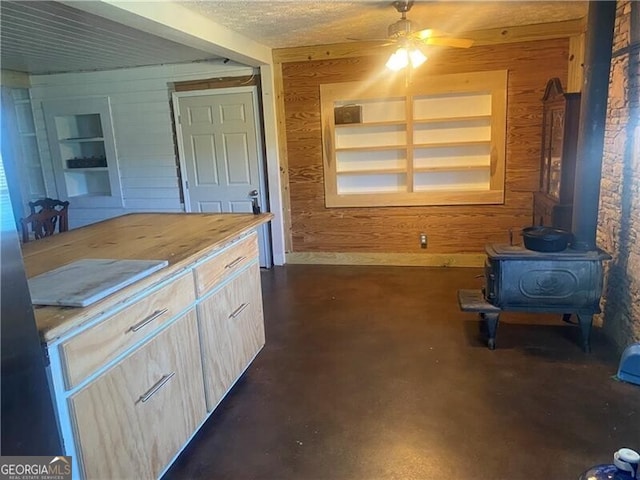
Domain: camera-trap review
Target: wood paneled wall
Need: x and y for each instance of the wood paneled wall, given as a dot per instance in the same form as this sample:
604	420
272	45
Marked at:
450	229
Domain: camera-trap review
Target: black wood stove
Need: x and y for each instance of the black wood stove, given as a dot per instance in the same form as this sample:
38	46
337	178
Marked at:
567	282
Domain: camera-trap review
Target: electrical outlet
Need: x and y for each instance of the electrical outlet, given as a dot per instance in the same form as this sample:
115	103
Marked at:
423	240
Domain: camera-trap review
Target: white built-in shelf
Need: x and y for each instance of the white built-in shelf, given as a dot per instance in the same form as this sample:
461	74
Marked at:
451	119
461	143
87	169
450	168
370	148
81	139
435	135
372	171
81	130
370	124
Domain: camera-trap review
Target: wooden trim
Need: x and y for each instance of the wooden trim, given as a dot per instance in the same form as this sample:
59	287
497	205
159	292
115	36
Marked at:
525	33
282	154
391	259
411	199
12	79
498	129
223	82
329	157
410	146
575	75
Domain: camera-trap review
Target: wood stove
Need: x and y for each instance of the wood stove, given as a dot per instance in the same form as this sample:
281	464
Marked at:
567	282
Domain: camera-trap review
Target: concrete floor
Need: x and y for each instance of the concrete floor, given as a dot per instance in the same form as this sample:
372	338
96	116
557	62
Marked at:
374	373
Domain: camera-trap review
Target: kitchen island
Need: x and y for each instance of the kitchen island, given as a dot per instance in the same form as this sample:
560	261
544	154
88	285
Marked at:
135	374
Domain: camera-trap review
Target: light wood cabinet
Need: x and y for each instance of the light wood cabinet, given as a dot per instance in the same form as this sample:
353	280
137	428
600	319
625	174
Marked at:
127	372
232	332
134	419
86	352
226	264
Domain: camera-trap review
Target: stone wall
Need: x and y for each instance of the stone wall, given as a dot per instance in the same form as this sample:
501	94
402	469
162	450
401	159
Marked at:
619	217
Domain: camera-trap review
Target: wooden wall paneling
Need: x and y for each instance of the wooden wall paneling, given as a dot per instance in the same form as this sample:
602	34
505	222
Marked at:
524	33
361	230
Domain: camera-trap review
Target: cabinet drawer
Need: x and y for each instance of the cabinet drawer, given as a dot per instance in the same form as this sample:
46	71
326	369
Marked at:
231	331
226	263
133	419
84	353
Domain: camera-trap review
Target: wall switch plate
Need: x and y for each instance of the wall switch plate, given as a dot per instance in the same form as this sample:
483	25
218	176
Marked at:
423	240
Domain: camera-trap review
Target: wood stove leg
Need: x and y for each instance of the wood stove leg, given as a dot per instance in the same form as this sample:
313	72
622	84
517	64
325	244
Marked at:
585	329
492	326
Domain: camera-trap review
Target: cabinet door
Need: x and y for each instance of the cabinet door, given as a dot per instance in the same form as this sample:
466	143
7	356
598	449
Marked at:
232	332
131	421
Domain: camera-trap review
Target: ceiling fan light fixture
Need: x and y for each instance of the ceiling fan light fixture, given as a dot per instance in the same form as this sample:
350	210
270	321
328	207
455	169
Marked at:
417	57
398	60
402	57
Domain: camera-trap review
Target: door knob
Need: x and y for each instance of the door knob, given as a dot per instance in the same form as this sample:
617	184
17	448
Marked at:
255	206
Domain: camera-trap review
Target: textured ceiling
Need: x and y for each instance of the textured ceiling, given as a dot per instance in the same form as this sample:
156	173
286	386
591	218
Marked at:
45	36
300	23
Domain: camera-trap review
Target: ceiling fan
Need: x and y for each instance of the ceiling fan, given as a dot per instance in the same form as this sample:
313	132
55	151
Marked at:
409	40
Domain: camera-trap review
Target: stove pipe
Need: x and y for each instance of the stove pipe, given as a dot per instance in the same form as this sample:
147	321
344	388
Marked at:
593	111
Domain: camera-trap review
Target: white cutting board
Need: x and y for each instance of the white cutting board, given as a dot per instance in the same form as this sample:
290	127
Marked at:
86	281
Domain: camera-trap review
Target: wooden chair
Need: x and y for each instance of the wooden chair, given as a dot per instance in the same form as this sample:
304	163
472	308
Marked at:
47	215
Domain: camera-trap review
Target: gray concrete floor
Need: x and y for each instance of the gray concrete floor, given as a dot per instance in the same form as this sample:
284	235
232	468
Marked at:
374	373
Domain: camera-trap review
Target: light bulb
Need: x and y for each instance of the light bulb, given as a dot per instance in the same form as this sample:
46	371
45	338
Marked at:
417	57
398	60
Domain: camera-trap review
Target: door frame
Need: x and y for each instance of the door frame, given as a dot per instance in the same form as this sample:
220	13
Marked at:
262	164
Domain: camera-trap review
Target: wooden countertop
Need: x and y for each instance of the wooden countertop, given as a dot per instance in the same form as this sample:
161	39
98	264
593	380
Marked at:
179	238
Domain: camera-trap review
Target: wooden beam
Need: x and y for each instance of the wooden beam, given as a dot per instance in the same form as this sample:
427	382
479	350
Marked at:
175	22
525	33
576	63
9	78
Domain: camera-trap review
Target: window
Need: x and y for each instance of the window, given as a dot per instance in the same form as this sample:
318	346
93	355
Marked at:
438	141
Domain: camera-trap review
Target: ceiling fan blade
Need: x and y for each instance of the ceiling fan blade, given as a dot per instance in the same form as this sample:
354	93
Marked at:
428	33
448	42
386	40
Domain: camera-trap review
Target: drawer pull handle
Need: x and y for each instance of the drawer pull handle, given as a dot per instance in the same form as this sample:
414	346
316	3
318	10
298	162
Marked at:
238	310
149	319
235	262
158	385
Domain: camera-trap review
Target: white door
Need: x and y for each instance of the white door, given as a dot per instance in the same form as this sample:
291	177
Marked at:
221	154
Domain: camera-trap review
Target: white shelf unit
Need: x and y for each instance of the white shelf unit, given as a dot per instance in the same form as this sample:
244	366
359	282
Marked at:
83	151
439	140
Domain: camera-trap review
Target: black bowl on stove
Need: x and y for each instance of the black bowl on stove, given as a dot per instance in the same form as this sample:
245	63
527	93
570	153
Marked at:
546	239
